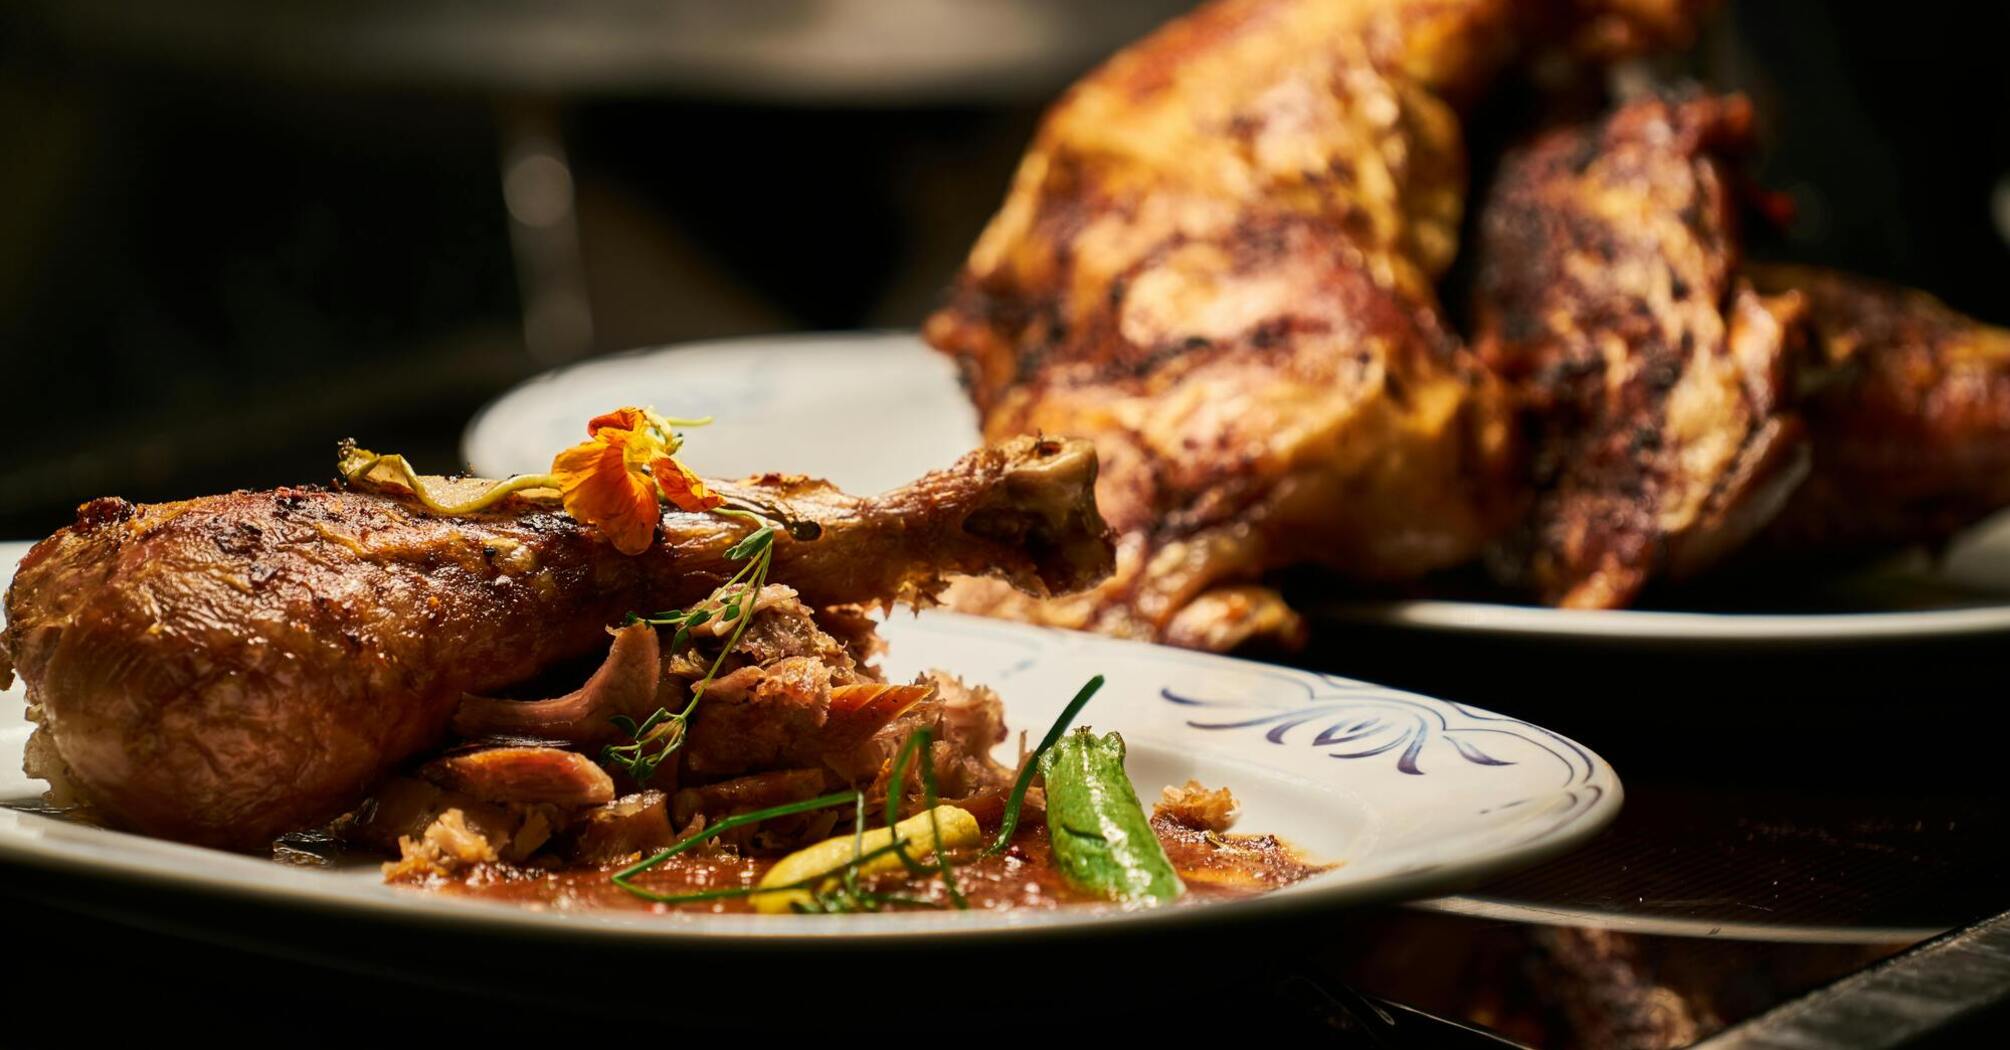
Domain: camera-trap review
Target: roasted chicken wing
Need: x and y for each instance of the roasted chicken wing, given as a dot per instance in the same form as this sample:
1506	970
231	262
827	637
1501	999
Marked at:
1653	381
1908	403
1679	402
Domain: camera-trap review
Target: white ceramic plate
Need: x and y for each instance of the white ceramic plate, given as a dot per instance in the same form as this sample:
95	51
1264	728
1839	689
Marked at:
873	410
1413	796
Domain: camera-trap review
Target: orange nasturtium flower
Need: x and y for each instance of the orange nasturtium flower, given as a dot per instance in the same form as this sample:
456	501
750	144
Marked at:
617	477
615	480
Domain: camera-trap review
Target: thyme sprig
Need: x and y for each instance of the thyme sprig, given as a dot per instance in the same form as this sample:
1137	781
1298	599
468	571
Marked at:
656	738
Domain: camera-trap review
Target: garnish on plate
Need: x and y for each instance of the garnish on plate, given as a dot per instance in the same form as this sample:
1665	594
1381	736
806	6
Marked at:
1102	841
658	736
618	479
824	878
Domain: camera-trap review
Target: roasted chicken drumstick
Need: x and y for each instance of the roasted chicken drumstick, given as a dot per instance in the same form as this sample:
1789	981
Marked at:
227	669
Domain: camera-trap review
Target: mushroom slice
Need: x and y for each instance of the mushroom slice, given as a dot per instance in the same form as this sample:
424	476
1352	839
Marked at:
625	684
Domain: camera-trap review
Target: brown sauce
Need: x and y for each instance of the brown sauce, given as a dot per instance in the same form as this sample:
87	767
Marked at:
1215	868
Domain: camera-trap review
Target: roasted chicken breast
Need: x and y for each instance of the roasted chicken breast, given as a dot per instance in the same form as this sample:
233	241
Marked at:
1218	260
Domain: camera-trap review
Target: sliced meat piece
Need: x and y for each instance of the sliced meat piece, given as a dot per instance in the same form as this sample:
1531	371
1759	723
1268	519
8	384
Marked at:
631	824
771	709
760	718
523	774
713	802
859	711
745	794
965	721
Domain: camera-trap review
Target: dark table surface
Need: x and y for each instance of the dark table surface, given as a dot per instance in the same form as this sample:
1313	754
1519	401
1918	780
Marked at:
1793	814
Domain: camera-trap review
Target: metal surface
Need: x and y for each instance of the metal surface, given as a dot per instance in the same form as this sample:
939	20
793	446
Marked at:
1895	1003
1617	921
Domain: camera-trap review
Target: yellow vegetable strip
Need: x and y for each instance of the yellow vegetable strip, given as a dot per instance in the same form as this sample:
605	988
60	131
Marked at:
959	829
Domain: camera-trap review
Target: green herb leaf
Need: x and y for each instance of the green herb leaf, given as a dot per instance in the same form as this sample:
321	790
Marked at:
916	741
754	543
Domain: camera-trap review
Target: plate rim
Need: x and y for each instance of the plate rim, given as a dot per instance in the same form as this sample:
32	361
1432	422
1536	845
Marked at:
429	909
1656	625
481	419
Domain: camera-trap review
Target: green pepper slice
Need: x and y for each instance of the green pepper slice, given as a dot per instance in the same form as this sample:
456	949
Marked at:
1103	844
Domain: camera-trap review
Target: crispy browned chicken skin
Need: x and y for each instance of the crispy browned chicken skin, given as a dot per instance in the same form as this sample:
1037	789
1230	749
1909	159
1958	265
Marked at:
227	669
1218	261
1908	404
1654	382
1671	409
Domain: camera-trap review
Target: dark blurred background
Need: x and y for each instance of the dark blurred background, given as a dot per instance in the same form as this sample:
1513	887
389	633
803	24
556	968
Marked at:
232	232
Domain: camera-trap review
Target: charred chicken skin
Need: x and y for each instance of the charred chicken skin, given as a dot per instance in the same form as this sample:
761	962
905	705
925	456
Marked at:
1654	382
1908	404
227	669
1218	261
1682	404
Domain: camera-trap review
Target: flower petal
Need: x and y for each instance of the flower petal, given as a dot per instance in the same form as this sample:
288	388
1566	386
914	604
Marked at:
684	490
598	488
628	418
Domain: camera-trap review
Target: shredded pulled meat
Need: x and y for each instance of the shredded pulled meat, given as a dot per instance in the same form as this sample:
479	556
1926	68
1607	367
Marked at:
446	847
41	761
408	808
796	710
1194	805
964	723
